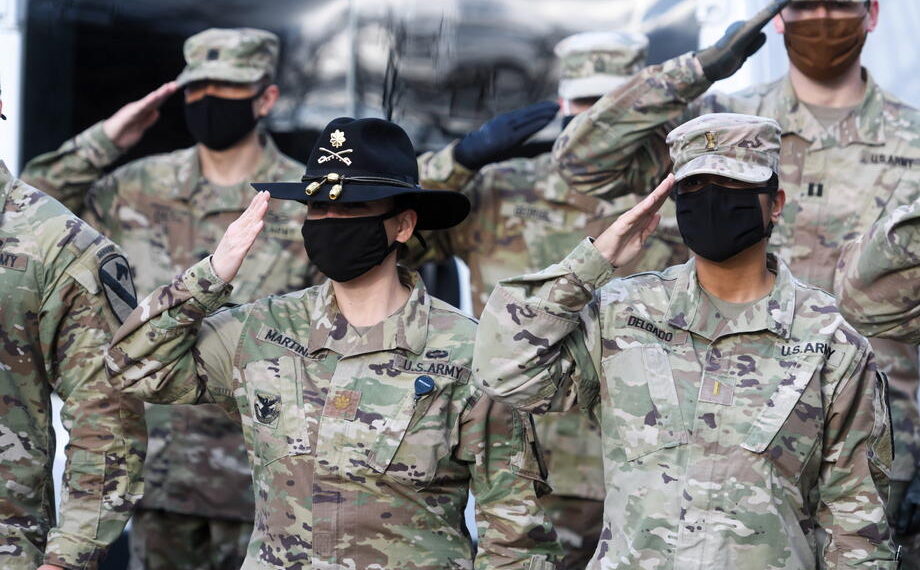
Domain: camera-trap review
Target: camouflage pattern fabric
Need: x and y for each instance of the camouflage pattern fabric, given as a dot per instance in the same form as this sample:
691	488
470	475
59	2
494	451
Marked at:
594	63
578	522
740	147
167	216
58	281
162	540
784	463
524	217
838	181
364	444
240	55
879	283
879	280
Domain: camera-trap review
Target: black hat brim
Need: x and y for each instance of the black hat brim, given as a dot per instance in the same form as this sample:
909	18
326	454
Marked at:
436	209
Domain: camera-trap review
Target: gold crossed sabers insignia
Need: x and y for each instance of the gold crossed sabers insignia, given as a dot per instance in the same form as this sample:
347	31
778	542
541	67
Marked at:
330	154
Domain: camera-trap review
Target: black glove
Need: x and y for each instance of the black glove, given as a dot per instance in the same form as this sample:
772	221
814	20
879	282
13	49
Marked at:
909	511
495	138
741	41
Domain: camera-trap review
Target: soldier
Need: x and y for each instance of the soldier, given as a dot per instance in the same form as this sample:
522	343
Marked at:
524	218
744	424
168	211
848	152
879	284
64	290
365	431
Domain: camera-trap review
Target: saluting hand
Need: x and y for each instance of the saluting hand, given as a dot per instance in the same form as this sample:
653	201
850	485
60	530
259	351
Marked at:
239	237
129	123
623	240
741	41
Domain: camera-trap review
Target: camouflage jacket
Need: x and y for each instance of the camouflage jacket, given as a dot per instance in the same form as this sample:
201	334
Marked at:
55	321
525	218
784	460
364	444
838	181
880	277
167	217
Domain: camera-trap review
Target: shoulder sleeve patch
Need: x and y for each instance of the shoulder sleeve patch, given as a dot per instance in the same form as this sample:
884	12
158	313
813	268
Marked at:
118	285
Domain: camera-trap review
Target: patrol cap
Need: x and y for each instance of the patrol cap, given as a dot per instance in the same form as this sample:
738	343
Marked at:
362	160
238	55
741	147
594	63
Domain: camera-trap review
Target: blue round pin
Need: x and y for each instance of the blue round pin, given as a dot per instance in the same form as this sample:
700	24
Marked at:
423	385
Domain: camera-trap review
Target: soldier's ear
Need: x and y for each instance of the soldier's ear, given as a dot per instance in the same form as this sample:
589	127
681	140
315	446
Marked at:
779	201
778	24
406	220
266	102
873	16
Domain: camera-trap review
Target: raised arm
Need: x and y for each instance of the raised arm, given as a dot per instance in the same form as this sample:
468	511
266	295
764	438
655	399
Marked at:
168	352
618	146
537	346
70	171
878	281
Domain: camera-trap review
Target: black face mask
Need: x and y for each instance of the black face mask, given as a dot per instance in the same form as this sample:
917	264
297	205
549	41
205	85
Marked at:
718	222
345	248
220	123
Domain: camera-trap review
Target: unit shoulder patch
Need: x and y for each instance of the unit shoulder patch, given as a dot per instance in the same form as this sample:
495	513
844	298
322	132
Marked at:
118	285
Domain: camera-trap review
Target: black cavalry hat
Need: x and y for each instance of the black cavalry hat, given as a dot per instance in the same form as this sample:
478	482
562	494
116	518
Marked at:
360	160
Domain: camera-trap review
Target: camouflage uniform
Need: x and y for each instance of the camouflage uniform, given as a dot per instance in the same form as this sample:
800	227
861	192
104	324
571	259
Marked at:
355	466
838	182
524	218
58	279
167	216
759	441
878	278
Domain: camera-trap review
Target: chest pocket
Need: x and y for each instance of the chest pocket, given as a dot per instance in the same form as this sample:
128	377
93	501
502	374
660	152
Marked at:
276	408
412	442
788	428
643	401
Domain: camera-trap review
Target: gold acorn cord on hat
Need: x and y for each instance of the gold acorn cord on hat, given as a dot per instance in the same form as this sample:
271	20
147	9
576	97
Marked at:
338	180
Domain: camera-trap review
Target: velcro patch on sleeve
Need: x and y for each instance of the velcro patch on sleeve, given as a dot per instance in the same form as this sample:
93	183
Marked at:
118	285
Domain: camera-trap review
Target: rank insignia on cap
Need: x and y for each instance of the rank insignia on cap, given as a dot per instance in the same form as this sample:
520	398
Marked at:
213	54
118	285
267	407
342	404
711	143
336	139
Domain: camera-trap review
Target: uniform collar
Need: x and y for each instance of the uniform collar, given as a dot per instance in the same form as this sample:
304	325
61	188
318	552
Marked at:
190	177
865	125
773	313
405	329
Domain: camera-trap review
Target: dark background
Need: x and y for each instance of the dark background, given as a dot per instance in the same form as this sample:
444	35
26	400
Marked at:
439	71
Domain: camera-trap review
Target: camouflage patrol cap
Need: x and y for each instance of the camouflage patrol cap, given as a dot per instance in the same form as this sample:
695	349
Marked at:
238	55
742	147
594	63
